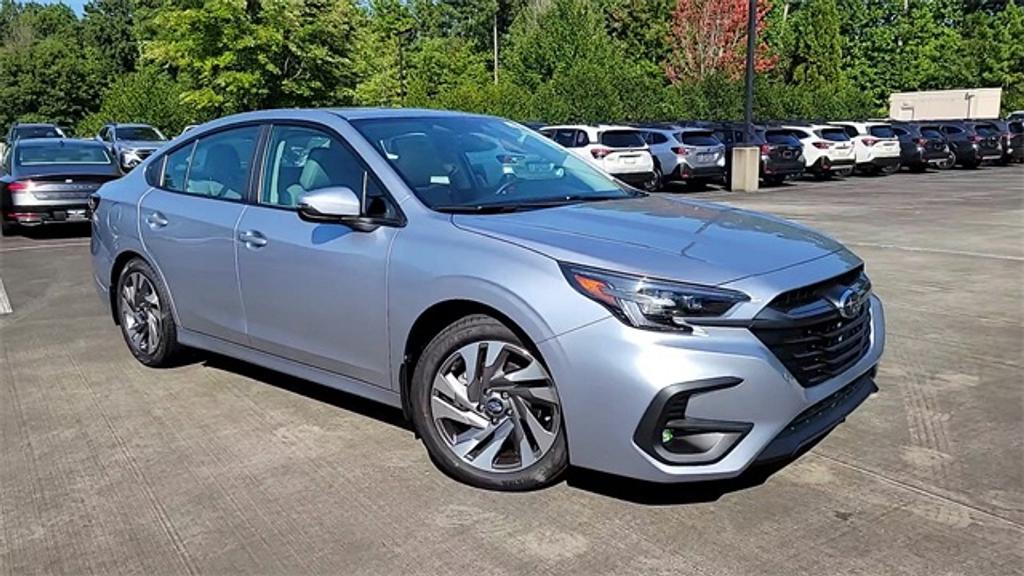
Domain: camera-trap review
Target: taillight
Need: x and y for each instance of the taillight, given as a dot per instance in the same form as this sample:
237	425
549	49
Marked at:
921	142
870	141
682	150
766	148
20	186
599	153
821	145
976	139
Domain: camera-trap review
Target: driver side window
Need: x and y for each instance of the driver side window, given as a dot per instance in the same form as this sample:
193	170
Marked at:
301	159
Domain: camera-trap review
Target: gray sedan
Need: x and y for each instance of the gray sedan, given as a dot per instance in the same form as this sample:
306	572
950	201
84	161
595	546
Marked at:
523	309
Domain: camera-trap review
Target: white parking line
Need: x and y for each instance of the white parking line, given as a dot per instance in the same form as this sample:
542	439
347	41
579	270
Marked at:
5	303
44	246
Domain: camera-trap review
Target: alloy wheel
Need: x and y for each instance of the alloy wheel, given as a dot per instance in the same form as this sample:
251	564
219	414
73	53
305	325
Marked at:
141	313
495	406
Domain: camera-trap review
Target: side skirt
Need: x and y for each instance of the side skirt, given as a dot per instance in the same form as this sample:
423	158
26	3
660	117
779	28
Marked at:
290	367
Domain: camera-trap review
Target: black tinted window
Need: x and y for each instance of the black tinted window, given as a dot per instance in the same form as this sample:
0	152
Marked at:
37	132
900	131
882	132
931	132
622	139
1017	127
781	137
952	130
698	139
834	134
655	138
138	133
61	152
220	164
986	130
851	131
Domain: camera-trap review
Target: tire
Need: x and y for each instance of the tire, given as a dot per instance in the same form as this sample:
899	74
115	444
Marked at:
147	324
656	181
8	228
774	180
444	414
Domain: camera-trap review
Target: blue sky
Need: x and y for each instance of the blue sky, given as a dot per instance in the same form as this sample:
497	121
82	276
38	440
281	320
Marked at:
76	5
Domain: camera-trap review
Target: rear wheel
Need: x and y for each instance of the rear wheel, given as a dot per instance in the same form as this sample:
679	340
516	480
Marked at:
487	408
655	182
8	229
144	313
774	180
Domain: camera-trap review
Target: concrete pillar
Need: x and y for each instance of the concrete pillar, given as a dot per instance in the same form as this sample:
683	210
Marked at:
746	167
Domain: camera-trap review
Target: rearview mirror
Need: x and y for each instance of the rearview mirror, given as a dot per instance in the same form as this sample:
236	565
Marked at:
333	204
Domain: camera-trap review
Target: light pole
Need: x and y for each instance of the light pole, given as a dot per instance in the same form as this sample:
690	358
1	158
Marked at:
748	102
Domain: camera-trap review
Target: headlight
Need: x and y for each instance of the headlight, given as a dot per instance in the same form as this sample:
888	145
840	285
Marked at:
651	304
130	158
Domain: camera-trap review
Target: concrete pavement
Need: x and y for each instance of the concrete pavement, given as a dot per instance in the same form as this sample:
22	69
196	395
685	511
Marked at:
219	467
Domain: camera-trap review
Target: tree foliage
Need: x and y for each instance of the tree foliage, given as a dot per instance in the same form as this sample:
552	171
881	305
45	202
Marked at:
171	62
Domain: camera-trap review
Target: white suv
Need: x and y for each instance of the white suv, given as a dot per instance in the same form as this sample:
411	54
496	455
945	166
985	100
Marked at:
828	149
618	150
875	145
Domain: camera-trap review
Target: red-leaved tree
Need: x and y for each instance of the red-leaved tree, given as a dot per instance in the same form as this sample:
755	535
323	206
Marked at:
710	36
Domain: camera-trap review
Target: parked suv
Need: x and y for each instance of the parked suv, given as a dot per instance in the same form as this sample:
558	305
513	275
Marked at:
131	143
681	154
828	150
523	308
972	141
1016	128
20	130
618	150
49	180
782	154
876	148
921	145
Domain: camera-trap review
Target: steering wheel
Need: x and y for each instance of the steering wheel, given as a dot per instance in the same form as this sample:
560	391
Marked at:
510	181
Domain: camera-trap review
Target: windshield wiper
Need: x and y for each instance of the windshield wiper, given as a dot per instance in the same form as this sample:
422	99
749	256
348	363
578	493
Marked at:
504	207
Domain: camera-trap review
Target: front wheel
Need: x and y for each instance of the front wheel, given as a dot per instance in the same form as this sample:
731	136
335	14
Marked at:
487	409
143	310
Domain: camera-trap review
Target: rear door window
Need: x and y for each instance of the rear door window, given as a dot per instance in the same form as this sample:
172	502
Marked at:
931	132
952	130
176	168
655	138
986	130
220	164
698	139
851	131
622	139
565	137
882	131
1017	127
834	134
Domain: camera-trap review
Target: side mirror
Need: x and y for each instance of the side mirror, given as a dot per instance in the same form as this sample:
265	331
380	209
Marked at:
337	204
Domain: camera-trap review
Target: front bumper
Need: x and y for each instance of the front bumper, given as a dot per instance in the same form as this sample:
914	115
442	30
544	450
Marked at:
609	375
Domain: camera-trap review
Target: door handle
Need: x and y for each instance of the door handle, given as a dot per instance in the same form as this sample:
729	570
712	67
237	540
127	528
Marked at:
252	239
156	220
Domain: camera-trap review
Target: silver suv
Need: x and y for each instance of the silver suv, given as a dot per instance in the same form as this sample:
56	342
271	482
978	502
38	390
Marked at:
685	154
524	309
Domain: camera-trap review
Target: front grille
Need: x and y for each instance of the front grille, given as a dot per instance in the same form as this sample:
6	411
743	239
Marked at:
821	344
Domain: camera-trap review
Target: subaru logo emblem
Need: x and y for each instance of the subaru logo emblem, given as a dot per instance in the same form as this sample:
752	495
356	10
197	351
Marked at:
852	300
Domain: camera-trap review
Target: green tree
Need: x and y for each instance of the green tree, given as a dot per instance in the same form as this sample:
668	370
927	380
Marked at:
235	55
147	95
109	26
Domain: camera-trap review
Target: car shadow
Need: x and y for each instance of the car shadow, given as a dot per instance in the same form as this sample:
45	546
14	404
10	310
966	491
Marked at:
657	494
312	390
55	231
608	485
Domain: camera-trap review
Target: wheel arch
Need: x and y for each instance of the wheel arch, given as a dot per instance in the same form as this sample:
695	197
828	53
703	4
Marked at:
122	260
429	324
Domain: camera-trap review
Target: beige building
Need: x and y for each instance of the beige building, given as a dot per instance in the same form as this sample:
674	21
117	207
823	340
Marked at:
945	104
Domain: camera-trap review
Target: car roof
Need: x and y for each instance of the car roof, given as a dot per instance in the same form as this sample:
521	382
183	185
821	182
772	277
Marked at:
130	125
35	125
33	142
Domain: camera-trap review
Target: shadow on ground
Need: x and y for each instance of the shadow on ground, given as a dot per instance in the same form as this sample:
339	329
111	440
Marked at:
54	231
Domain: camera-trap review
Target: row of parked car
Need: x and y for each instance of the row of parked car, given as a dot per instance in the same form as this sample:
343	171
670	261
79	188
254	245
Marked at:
652	155
47	177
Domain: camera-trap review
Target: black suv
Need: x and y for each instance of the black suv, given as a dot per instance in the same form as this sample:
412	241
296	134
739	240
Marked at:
922	144
782	154
972	141
1016	129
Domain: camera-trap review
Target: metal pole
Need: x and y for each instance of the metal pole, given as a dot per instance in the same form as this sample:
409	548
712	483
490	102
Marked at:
748	112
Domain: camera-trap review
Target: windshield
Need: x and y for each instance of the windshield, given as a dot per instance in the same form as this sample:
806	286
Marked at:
26	132
139	133
65	153
834	134
468	162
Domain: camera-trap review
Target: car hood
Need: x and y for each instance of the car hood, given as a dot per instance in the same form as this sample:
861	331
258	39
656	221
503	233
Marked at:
139	144
659	237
